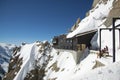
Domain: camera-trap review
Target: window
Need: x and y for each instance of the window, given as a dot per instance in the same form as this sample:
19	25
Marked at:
70	41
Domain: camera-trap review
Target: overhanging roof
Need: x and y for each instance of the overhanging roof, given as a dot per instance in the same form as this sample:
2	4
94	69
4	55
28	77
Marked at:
87	32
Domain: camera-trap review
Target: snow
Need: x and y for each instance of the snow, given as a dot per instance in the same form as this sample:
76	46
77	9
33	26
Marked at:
5	45
62	64
30	54
83	27
68	70
5	66
65	62
84	70
94	42
94	20
110	72
27	53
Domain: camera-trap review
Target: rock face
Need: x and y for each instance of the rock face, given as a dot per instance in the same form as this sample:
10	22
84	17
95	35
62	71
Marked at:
95	2
115	12
75	25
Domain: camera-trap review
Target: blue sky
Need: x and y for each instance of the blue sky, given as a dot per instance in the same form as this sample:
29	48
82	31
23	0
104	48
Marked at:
31	20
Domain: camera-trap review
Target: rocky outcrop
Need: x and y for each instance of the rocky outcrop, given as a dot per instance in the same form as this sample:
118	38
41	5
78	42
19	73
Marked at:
36	74
95	2
75	25
115	12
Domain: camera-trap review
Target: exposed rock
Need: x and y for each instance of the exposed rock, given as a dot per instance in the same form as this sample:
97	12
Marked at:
78	21
36	74
54	67
98	64
115	12
75	25
95	2
14	67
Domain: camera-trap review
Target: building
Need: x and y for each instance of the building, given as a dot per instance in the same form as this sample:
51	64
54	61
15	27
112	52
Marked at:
61	42
84	39
78	42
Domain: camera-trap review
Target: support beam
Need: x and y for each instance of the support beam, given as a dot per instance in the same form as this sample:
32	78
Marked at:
119	38
100	41
114	27
114	39
72	43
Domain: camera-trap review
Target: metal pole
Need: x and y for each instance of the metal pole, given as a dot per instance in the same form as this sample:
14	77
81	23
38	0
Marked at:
114	39
100	43
72	43
119	38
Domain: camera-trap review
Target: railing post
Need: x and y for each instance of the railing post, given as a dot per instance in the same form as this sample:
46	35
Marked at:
100	42
114	19
119	38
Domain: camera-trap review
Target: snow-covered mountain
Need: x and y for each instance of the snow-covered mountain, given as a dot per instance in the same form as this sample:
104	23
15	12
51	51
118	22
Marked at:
29	61
5	55
40	61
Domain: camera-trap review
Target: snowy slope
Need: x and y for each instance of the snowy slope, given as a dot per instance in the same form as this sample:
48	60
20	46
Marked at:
5	55
29	58
53	64
57	64
97	16
111	72
95	19
27	52
63	67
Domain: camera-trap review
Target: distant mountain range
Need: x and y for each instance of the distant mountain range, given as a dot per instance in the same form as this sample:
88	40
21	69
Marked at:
5	55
